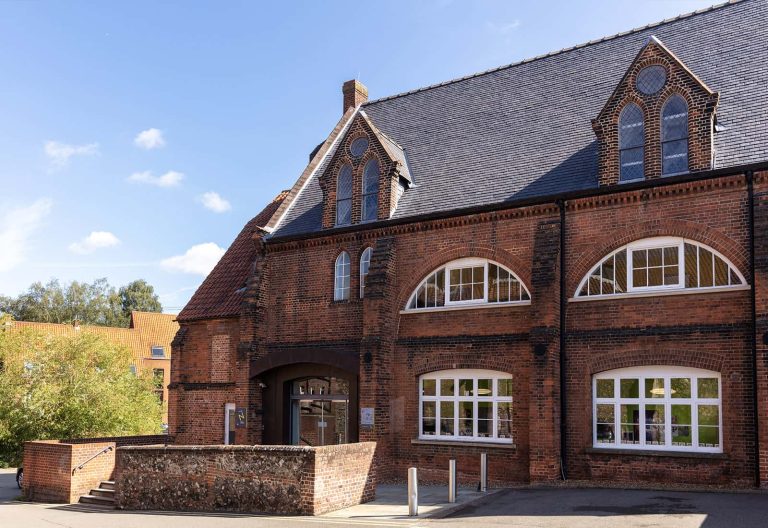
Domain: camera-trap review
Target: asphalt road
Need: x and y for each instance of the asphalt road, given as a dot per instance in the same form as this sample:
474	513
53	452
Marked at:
8	488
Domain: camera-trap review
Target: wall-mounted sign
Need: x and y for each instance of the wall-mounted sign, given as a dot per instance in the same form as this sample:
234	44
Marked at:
241	417
366	416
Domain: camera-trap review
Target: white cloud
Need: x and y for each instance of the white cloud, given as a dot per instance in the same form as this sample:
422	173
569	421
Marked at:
199	259
213	201
60	153
94	241
503	28
149	139
169	179
17	227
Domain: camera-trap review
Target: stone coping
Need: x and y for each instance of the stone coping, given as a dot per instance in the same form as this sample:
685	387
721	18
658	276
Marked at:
252	448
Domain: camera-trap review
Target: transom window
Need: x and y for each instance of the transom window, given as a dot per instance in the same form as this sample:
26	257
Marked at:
344	195
660	263
660	407
341	277
631	142
370	197
466	405
365	264
674	136
468	281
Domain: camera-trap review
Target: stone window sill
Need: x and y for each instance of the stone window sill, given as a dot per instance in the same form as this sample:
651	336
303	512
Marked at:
454	443
654	453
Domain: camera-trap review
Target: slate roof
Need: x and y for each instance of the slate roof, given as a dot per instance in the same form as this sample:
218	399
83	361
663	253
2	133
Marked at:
221	292
523	130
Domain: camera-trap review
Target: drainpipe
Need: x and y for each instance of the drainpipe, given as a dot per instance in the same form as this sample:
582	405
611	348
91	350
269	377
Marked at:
753	303
563	305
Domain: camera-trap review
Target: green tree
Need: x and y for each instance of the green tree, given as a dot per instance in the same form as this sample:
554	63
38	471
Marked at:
96	303
69	387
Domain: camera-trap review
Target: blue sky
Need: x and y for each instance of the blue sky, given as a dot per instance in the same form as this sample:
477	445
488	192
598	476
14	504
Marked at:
120	120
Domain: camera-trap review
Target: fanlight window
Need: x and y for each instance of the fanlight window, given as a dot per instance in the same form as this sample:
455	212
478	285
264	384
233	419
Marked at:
365	264
466	282
341	277
344	196
674	136
370	199
662	263
631	142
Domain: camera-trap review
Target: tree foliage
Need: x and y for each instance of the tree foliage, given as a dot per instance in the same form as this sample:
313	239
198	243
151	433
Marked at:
97	303
69	387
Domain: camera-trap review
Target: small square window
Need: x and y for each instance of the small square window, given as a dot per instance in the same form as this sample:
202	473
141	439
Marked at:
158	352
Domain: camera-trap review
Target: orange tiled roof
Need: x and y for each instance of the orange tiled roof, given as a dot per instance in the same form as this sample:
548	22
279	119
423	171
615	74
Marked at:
221	293
146	330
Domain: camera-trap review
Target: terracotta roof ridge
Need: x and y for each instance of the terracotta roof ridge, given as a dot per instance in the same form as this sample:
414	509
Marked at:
557	52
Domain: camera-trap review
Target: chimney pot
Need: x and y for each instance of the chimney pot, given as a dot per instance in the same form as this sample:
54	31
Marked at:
355	94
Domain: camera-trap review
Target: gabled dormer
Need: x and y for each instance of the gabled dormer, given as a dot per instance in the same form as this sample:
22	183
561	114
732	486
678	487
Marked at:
365	177
658	122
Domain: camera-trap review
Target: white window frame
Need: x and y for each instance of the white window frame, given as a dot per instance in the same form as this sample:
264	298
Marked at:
665	372
466	263
365	264
228	407
653	243
340	291
152	352
456	375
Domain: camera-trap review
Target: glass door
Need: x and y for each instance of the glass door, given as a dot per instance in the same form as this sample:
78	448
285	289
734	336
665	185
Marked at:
319	412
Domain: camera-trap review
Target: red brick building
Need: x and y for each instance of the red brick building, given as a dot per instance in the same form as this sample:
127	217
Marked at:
561	262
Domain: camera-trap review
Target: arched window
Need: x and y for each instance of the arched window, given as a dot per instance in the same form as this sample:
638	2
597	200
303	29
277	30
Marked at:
658	408
365	264
344	195
660	264
467	282
468	405
674	136
370	198
341	277
631	143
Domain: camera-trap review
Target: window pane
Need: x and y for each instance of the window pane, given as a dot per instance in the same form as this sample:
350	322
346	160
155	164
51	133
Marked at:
370	207
594	282
605	424
466	275
671	256
674	123
654	257
343	212
421	297
706	275
428	422
631	164
630	424
621	271
691	266
478	274
630	388
709	415
493	281
504	387
515	291
709	436
631	129
654	387
708	388
605	388
446	387
344	183
671	275
681	387
504	429
466	387
440	288
371	177
709	426
681	425
485	387
721	272
607	272
428	426
466	419
485	419
654	425
735	278
640	278
674	156
447	421
655	277
428	387
504	410
639	259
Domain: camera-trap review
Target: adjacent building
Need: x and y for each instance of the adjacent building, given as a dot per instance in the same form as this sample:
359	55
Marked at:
148	337
561	262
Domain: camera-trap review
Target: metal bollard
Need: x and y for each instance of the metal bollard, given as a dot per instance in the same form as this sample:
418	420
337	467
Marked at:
451	481
413	492
483	472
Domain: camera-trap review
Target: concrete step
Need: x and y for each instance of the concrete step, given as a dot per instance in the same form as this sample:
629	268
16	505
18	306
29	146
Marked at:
102	492
95	499
107	484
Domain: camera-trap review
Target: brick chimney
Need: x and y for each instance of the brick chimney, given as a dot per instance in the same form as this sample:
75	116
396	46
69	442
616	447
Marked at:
355	93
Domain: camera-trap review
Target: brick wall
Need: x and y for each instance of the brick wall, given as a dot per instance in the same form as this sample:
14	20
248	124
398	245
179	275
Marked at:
282	480
51	467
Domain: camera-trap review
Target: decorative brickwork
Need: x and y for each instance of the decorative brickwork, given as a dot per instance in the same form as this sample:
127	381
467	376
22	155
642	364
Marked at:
701	101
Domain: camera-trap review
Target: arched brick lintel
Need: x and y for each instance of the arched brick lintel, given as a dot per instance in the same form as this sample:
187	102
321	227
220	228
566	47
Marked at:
644	358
